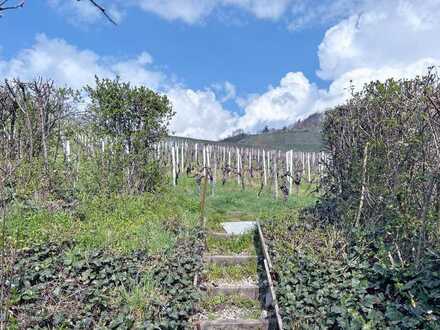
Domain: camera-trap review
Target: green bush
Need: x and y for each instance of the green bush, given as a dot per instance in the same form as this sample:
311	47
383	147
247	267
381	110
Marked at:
384	162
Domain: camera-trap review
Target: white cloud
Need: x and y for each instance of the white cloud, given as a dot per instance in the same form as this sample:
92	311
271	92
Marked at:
396	38
189	11
281	105
225	91
393	39
393	34
56	59
193	11
264	9
199	114
306	13
68	65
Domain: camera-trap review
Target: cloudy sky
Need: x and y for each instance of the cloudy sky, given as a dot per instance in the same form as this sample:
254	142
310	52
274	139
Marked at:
225	64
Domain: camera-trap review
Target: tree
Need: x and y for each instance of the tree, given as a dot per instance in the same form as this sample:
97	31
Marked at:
265	129
135	119
32	115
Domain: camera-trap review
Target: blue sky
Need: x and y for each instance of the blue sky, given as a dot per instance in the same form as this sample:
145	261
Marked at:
225	64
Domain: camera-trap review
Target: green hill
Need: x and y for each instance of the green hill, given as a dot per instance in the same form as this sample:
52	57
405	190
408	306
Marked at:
308	139
304	135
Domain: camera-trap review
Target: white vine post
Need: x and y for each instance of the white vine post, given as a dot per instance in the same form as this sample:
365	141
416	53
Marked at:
238	166
173	156
195	155
214	174
291	172
182	160
204	160
309	174
275	175
158	149
264	168
177	157
66	147
208	158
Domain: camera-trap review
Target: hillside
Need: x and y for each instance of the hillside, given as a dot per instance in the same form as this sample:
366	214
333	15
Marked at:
296	139
304	135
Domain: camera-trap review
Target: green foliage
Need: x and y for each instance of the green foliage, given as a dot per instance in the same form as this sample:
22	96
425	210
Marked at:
175	276
54	286
324	281
134	119
381	202
137	115
384	169
59	285
119	223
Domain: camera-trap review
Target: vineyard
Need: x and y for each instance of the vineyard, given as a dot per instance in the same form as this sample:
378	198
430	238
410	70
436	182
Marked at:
109	222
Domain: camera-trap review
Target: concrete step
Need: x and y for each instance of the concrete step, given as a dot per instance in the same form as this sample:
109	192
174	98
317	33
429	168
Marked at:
250	291
239	227
223	235
233	325
229	260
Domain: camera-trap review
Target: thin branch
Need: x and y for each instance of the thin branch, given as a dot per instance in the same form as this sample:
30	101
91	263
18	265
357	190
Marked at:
103	11
4	8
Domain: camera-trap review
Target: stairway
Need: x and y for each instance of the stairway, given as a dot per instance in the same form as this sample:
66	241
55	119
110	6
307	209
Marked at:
234	282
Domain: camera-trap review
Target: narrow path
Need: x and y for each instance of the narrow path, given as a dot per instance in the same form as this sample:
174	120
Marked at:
234	281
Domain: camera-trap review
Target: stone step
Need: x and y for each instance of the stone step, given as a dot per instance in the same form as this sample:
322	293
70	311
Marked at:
250	291
239	227
233	325
229	260
223	235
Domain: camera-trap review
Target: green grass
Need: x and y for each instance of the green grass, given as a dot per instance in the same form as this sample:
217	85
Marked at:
119	223
227	200
148	222
243	244
213	304
138	299
217	272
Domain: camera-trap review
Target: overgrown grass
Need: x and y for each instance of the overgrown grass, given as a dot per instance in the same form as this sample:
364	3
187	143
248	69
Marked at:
230	202
119	223
121	226
243	244
217	272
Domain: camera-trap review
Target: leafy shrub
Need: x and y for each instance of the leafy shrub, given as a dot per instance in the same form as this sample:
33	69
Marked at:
384	163
324	281
59	286
133	119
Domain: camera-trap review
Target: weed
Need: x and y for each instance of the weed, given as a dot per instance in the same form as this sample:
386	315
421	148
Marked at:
217	272
243	244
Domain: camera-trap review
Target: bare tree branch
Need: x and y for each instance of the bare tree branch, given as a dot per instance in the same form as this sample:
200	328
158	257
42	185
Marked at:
102	10
4	7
